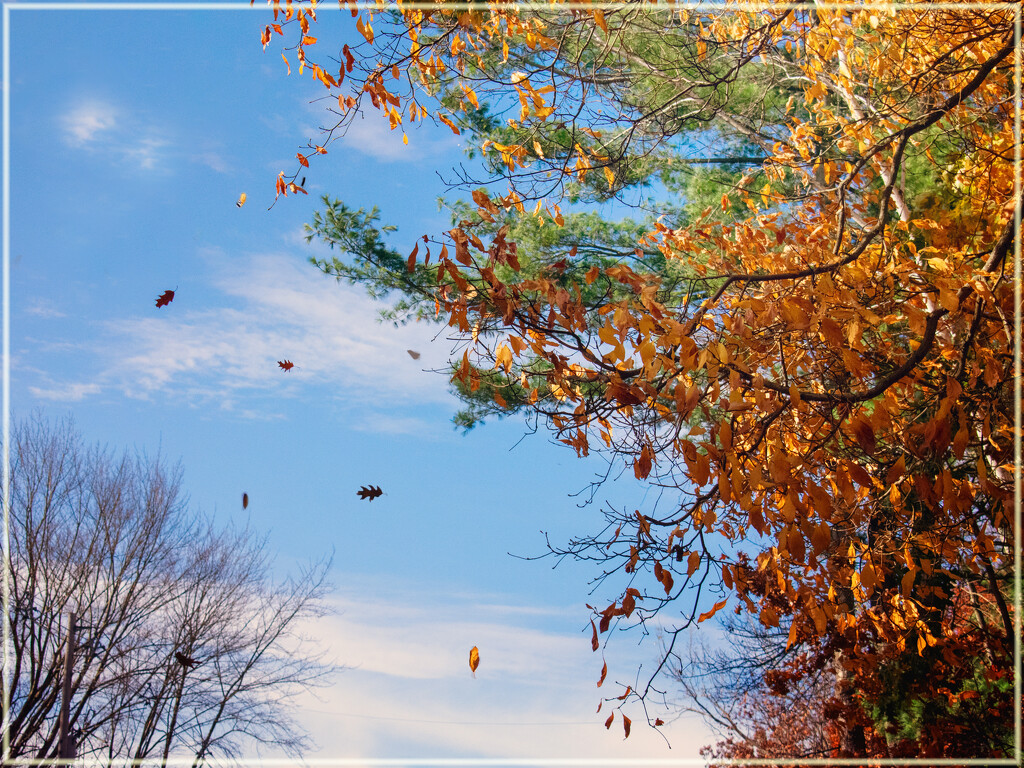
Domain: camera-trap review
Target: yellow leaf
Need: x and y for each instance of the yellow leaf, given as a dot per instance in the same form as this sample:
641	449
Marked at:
609	175
503	358
241	200
599	20
474	659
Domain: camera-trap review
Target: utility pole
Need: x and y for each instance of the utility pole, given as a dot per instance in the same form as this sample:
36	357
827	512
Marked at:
66	743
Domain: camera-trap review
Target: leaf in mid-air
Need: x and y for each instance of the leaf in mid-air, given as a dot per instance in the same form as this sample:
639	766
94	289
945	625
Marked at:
164	299
371	492
474	659
241	200
245	500
413	354
286	365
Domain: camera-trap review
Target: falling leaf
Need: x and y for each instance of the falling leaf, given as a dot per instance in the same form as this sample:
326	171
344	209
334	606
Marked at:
241	200
413	354
371	492
286	365
165	298
715	609
474	659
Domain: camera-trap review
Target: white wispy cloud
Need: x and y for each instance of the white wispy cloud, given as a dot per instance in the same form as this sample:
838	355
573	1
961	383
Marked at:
411	692
88	121
116	131
272	307
66	393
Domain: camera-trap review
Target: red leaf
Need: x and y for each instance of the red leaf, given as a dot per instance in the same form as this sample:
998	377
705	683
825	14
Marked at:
165	298
286	365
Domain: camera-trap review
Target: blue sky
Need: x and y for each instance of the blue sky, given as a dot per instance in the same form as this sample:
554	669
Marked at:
132	135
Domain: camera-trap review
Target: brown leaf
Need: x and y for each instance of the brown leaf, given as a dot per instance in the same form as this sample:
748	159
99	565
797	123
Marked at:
245	500
413	354
286	365
604	673
594	643
371	492
608	722
164	299
626	723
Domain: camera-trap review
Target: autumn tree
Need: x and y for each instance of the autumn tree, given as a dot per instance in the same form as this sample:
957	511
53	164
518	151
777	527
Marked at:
110	539
815	370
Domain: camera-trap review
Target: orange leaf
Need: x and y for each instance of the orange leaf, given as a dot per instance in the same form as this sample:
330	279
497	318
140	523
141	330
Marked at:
411	263
302	160
717	607
604	673
474	659
626	723
594	643
241	200
608	722
285	365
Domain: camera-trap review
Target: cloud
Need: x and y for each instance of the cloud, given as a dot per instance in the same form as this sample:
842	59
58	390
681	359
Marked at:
85	122
97	126
66	393
266	308
41	308
371	135
146	152
213	161
411	692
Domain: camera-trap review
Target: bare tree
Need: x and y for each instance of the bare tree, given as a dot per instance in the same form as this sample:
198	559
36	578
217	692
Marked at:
185	646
